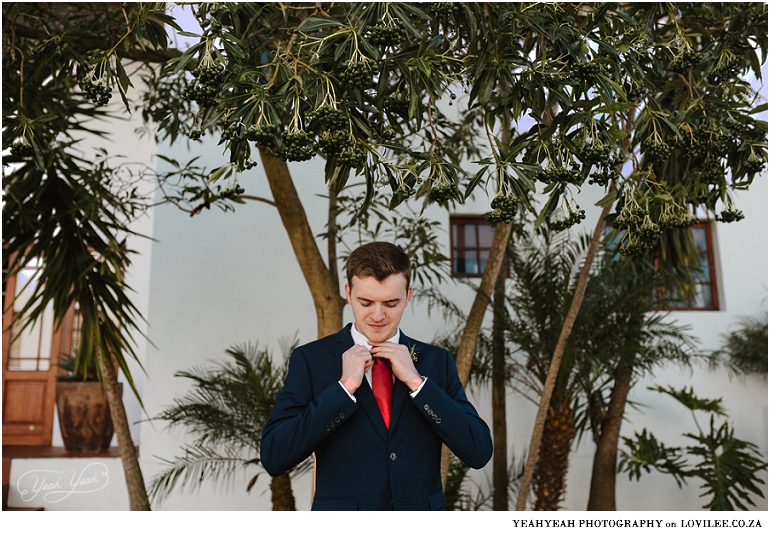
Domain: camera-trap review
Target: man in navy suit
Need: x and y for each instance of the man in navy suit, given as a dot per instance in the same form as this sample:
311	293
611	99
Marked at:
373	404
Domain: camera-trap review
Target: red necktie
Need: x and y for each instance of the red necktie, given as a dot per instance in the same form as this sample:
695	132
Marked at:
382	387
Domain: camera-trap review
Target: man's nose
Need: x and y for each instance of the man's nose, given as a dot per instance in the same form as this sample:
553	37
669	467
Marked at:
378	313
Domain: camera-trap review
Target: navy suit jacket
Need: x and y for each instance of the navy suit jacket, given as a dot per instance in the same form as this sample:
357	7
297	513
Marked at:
361	465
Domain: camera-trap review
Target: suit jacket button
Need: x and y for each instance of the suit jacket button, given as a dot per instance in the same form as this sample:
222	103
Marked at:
337	420
393	456
342	415
438	420
328	428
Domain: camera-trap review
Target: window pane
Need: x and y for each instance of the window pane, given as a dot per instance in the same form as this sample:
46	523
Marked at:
703	298
484	257
702	275
699	234
470	235
471	266
485	236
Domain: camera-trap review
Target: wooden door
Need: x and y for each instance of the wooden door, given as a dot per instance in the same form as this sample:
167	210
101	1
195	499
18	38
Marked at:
29	366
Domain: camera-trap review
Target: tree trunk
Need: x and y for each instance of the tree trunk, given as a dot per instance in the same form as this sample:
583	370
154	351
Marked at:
553	371
553	457
137	492
499	428
324	290
603	473
281	493
467	348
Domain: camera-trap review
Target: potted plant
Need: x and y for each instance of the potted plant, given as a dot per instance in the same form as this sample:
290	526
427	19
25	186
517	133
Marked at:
83	410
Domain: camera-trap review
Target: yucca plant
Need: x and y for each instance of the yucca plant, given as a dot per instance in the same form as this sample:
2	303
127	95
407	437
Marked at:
226	411
728	467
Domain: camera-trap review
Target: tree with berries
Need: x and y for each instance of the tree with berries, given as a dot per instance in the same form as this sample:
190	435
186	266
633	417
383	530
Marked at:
650	103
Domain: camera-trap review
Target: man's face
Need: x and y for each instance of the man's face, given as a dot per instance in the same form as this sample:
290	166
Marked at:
378	306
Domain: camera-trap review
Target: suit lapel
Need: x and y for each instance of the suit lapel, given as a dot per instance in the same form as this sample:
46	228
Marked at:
400	391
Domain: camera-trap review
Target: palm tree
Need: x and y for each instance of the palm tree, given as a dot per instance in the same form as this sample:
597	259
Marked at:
629	340
745	348
226	411
544	271
613	342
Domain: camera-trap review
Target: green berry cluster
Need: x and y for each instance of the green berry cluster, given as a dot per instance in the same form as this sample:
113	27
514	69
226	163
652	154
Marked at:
730	215
203	89
504	208
397	106
263	135
335	142
21	148
726	71
641	231
712	172
738	127
635	92
385	34
630	217
234	132
702	143
572	219
589	70
596	153
677	219
444	194
603	176
329	117
684	60
444	8
98	93
358	74
232	192
558	174
297	146
195	134
753	165
656	151
353	156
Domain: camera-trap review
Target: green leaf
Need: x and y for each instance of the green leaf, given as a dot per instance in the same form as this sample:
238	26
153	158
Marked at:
217	173
608	199
690	401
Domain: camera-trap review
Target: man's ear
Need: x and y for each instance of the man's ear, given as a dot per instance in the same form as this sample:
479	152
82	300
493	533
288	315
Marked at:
408	294
347	292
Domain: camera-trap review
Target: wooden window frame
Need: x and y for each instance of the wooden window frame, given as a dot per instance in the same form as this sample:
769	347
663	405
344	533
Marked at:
710	283
455	247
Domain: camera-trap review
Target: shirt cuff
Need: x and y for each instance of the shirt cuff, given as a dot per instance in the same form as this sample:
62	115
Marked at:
351	396
416	391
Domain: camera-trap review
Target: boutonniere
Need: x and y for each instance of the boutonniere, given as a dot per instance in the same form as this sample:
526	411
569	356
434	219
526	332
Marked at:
413	352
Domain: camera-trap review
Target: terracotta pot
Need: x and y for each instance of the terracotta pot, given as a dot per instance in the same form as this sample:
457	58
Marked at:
84	416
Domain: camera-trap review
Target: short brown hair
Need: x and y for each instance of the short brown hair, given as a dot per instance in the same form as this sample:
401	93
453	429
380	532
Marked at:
379	260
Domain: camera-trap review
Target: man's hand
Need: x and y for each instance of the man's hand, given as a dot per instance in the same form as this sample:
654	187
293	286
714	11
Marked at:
400	361
355	362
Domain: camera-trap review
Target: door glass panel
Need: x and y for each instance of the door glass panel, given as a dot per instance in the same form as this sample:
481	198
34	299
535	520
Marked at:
30	349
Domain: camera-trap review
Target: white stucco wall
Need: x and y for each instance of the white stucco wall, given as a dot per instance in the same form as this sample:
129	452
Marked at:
218	279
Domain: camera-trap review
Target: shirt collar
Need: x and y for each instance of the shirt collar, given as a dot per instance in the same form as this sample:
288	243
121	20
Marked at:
359	338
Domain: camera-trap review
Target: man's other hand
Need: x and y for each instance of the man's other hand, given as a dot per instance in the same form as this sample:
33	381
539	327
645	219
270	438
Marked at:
355	362
400	361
